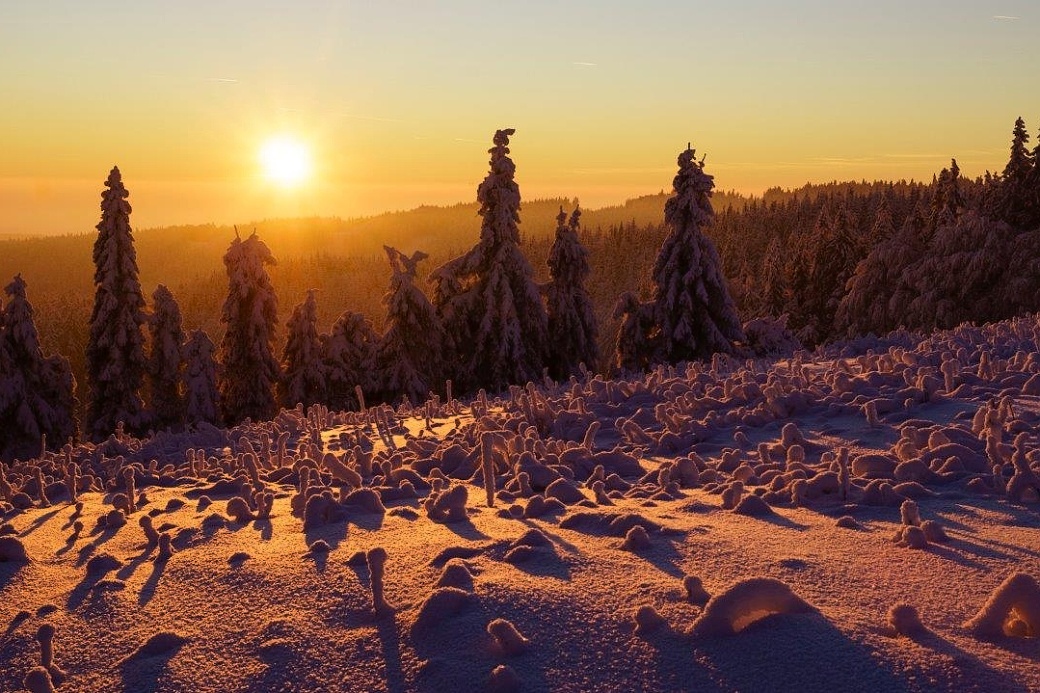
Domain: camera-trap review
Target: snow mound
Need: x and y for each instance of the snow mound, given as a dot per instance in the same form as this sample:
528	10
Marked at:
441	605
747	601
611	524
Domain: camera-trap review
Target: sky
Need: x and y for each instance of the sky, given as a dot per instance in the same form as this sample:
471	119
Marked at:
397	101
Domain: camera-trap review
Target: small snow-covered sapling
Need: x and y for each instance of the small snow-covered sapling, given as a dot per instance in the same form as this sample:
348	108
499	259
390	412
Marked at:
695	592
731	495
71	481
904	620
1024	485
508	639
45	637
165	548
38	680
239	510
264	501
41	489
149	531
504	678
376	559
636	539
647	620
909	513
843	472
487	461
131	490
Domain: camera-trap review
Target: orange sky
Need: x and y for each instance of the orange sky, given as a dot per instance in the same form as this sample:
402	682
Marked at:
398	102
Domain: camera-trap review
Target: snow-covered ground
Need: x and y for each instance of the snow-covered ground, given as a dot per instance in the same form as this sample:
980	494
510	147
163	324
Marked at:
733	527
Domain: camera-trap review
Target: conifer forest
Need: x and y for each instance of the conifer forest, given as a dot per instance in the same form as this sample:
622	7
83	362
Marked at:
698	441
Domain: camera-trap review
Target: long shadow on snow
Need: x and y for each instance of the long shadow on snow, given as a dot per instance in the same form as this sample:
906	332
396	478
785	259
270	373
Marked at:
801	653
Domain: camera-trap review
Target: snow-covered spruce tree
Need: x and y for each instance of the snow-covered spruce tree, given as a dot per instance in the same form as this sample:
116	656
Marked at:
248	368
303	372
37	393
633	346
573	333
835	252
201	397
116	361
963	274
409	355
165	365
1012	197
695	315
773	295
487	300
349	353
883	227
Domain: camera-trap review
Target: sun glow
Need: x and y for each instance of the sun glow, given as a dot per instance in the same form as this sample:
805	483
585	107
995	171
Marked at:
285	161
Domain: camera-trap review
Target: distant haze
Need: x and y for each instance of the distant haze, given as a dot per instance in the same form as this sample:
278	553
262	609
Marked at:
398	100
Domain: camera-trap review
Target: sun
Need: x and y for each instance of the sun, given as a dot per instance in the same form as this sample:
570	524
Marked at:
285	161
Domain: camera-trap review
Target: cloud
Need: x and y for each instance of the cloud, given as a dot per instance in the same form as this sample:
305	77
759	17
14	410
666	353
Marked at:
584	64
1005	17
222	80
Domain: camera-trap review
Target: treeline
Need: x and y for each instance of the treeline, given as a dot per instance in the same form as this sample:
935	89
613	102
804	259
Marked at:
828	261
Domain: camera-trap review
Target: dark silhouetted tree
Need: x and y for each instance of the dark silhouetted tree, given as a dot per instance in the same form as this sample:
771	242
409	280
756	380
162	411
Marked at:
249	370
573	333
37	393
165	365
201	396
487	300
116	361
410	350
695	315
633	347
303	373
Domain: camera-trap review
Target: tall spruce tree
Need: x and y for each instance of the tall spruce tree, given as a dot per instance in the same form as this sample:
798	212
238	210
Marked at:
116	362
410	351
201	396
303	373
37	393
165	363
1012	197
248	368
573	332
773	289
349	353
695	313
487	299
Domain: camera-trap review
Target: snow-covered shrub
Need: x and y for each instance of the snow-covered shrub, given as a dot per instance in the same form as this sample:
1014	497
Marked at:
769	336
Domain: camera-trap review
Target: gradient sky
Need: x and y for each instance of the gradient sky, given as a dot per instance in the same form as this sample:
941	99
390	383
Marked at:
399	99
